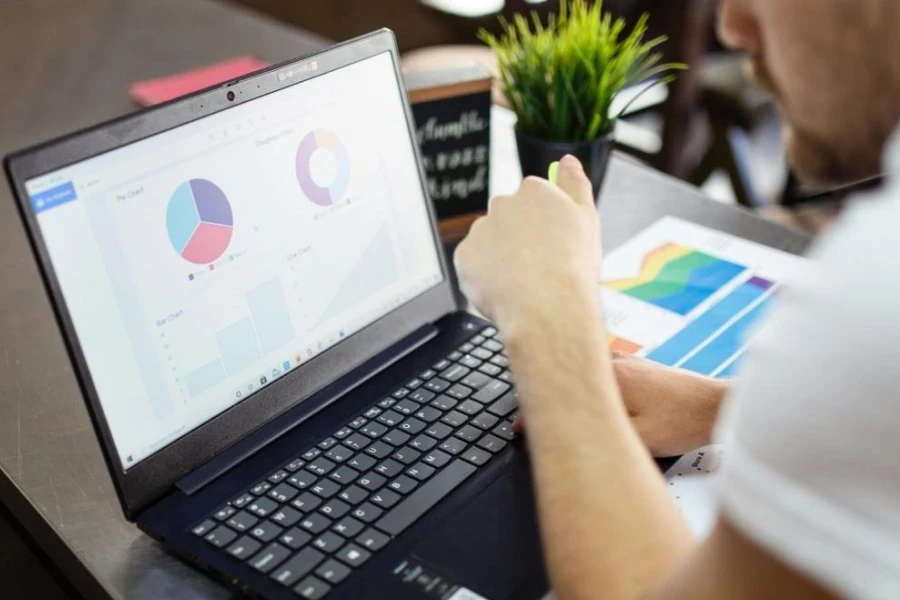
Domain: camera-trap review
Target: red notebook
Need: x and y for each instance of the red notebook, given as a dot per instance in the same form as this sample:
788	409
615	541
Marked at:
154	91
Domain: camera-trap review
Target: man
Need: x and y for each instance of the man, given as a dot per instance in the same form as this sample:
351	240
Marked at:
810	491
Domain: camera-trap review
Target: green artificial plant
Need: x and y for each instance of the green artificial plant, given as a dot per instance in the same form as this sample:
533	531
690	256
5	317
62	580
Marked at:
561	78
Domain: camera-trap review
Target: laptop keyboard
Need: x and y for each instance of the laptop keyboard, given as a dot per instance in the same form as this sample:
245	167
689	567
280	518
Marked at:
310	523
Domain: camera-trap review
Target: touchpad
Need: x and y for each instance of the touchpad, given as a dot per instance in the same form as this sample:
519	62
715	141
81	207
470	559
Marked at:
492	546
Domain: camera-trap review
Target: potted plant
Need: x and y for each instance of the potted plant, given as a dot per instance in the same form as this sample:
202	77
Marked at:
561	79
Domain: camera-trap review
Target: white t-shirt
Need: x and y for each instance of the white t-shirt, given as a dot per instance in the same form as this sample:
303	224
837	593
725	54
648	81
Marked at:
813	430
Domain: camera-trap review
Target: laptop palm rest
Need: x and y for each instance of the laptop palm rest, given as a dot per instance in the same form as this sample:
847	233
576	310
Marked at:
492	545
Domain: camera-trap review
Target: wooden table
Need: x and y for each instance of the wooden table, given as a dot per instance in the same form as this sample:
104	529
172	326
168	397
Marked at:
70	64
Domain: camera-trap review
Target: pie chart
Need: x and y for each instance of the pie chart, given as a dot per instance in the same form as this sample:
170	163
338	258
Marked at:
199	221
323	167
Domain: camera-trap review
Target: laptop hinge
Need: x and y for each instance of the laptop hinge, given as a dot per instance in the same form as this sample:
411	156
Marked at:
262	437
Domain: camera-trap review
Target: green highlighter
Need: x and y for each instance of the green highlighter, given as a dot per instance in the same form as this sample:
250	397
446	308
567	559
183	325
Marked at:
551	172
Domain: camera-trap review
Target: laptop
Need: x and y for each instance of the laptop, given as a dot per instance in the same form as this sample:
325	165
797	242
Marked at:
255	300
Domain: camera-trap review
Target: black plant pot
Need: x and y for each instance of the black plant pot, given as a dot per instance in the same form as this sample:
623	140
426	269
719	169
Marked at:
536	155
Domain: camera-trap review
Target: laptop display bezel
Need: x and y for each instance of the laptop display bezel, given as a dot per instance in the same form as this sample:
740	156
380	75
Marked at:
154	476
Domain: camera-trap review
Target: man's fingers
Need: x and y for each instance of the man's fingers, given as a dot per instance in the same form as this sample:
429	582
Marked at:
572	179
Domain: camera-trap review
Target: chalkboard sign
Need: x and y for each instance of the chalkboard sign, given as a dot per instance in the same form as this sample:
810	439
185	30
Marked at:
452	110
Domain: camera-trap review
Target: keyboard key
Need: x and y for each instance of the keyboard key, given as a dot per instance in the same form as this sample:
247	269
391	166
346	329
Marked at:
477	340
489	332
459	392
278	476
242	500
295	538
467	347
332	571
384	499
220	536
353	495
328	542
315	523
500	361
366	512
348	527
504	430
470	361
481	354
344	475
491	443
311	454
386	403
470	407
266	531
441	365
475	380
372	412
396	437
390	418
414	383
361	462
403	485
353	555
444	402
335	509
242	521
339	454
327	443
492	345
408	407
379	450
244	548
372	540
357	422
389	468
439	431
260	488
299	566
437	385
436	458
406	455
454	418
294	465
325	488
469	433
320	466
302	479
343	432
357	441
455	355
491	392
307	502
417	504
506	376
269	557
412	426
401	393
373	430
505	405
423	443
420	471
453	446
490	369
455	373
476	456
428	414
311	589
371	481
286	516
263	507
282	492
426	375
204	527
224	512
484	421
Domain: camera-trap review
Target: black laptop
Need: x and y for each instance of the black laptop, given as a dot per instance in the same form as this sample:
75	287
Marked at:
255	300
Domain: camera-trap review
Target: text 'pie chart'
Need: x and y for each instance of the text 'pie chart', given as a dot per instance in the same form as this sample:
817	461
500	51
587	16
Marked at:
323	167
199	221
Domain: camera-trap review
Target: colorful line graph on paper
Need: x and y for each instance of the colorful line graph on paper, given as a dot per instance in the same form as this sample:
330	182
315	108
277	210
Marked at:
620	344
677	278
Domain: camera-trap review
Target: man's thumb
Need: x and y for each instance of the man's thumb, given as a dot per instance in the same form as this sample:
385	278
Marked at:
571	179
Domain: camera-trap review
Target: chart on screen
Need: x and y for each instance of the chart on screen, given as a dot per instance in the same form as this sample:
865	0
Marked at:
199	221
690	297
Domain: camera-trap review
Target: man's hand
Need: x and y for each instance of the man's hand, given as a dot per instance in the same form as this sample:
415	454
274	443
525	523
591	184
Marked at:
533	248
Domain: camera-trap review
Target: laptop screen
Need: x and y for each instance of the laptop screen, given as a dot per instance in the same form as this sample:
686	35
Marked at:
205	262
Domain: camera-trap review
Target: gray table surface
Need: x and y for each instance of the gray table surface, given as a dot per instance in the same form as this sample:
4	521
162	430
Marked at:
52	475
